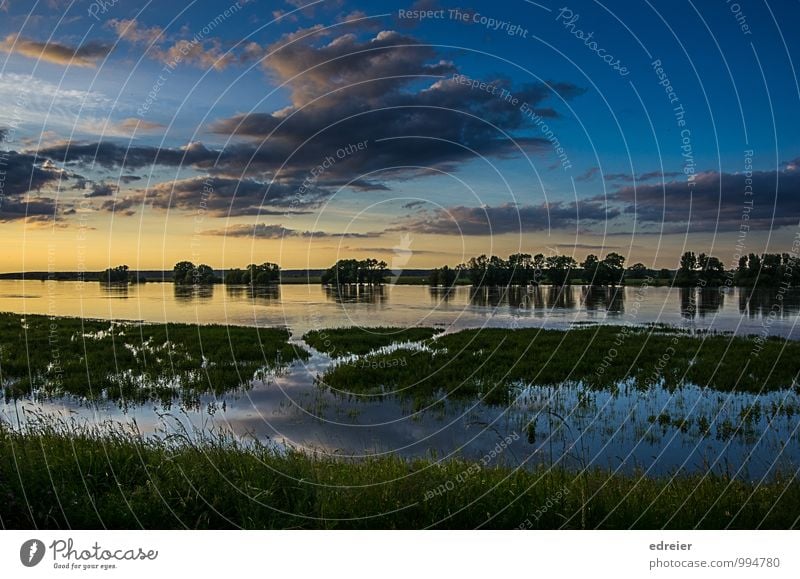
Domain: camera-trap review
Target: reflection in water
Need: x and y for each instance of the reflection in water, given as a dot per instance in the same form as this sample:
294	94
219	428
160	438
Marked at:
441	294
745	311
765	302
115	289
701	301
193	292
256	294
710	300
524	298
561	297
608	299
356	293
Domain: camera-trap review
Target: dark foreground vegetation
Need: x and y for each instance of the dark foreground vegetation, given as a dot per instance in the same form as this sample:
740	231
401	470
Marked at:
58	476
132	361
493	363
337	342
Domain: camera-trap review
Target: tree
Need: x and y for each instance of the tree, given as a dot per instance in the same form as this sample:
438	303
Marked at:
347	271
614	266
185	273
638	271
203	275
687	272
559	268
234	276
117	274
712	270
182	272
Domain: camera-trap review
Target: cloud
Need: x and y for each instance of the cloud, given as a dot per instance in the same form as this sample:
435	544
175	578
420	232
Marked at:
716	201
510	218
54	52
132	31
22	176
218	197
395	94
102	189
628	178
131	125
365	112
589	174
267	231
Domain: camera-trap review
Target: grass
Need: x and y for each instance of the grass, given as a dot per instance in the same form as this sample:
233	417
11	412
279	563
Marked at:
491	362
338	342
60	476
130	361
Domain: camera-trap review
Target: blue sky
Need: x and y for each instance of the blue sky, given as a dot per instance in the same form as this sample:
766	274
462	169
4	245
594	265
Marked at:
155	131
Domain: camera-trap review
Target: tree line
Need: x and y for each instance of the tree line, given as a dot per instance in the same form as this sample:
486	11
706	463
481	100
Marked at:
519	269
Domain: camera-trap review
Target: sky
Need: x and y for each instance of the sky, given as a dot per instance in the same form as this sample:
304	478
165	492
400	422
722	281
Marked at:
421	133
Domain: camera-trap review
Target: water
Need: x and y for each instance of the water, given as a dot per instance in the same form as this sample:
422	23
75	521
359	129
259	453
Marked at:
657	432
305	307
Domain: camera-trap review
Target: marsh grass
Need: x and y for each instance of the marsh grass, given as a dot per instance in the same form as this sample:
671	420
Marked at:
58	475
491	363
338	342
133	361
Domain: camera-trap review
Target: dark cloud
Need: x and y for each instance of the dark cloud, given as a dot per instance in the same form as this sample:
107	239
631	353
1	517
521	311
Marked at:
716	201
86	55
510	218
589	174
111	155
267	231
363	113
102	189
219	197
628	178
21	176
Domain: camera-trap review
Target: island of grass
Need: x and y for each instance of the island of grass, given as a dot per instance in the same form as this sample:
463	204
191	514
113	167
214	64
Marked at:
134	361
59	476
492	363
338	342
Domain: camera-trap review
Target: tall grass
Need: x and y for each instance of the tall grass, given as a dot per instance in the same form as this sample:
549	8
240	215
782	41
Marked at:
490	362
58	475
338	342
133	361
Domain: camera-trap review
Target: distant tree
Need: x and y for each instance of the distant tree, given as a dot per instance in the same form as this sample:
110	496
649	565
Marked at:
182	272
444	276
204	275
687	272
711	271
349	271
117	274
614	265
234	276
559	268
638	271
256	275
186	273
606	272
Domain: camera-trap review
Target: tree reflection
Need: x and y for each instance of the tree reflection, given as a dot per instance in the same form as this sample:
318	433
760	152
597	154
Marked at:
194	292
603	298
259	293
356	294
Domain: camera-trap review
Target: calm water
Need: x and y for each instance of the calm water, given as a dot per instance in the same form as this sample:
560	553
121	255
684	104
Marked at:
655	431
305	307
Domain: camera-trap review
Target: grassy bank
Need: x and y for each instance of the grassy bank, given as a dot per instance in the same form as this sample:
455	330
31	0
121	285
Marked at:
133	361
491	362
337	342
57	477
